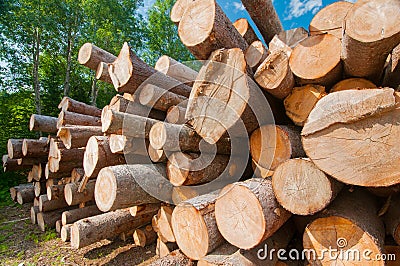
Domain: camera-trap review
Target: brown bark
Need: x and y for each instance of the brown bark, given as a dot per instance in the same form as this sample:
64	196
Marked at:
48	219
14	148
39	188
10	165
25	194
160	99
144	236
38	172
77	174
71	216
55	175
392	219
77	136
35	147
125	145
73	197
353	84
244	28
43	123
255	54
14	190
75	119
102	73
71	105
55	192
176	115
90	56
46	205
176	70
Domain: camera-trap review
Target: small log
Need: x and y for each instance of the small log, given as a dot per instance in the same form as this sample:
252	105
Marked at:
46	205
158	98
35	147
98	155
66	232
260	214
39	188
77	174
43	123
14	148
391	76
274	75
76	119
164	226
48	219
244	28
301	101
56	175
353	83
58	227
38	173
64	160
295	183
392	219
200	236
164	249
318	50
34	212
90	56
255	54
30	161
176	115
15	189
11	165
102	73
125	145
129	72
144	236
136	210
205	28
366	46
156	156
73	197
71	105
25	194
77	136
55	192
287	40
174	258
330	19
175	69
71	216
117	187
107	225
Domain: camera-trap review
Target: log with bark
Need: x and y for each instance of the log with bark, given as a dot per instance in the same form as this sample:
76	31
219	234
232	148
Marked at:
66	172
255	54
180	194
176	115
122	144
71	216
25	194
43	123
71	105
260	214
144	236
48	219
90	56
66	232
244	28
55	192
70	118
38	172
353	84
102	73
73	197
14	148
391	76
156	156
10	165
77	136
39	188
176	70
46	205
14	190
35	147
160	99
164	249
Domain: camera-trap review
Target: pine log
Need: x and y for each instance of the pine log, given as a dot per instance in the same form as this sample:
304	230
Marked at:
346	130
164	226
102	73
263	13
244	28
76	119
58	227
36	202
77	136
25	194
274	75
48	219
349	223
77	174
129	72
55	192
30	161
366	46
56	175
11	165
73	197
38	172
64	160
98	155
39	188
287	40
122	144
66	232
156	156
247	212
391	77
175	69
14	148
46	205
144	236
330	19
71	216
301	101
171	137
90	56
177	10
255	54
180	194
194	226
174	258
302	189
192	169
43	123
119	186
136	210
353	84
30	176
272	145
34	212
71	105
15	189
318	50
176	115
35	147
92	229
392	219
159	99
163	249
204	28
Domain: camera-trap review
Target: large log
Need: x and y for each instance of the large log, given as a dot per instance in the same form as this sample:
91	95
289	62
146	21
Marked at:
77	136
366	46
302	189
204	28
318	50
330	19
159	99
119	187
346	130
353	84
164	226
43	123
122	144
98	155
349	223
47	220
247	212
175	69
102	73
71	105
73	197
35	147
272	145
144	236
71	118
392	73
392	219
90	56
10	165
176	115
244	28
46	205
255	54
107	225
194	226
25	194
14	148
263	13
129	72
71	216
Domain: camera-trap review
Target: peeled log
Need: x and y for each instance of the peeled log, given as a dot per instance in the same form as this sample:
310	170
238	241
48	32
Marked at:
347	129
176	115
46	205
330	19
200	236
77	136
247	212
71	216
129	72
301	101
349	223
272	145
144	236
98	155
366	46
35	147
73	197
76	119
66	232
392	219
107	225
14	148
117	186
90	56
204	28
255	54
316	60
71	105
159	99
102	73
302	189
244	28
274	75
353	84
175	69
263	13
43	123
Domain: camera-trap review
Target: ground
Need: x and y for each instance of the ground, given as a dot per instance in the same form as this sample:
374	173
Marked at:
23	243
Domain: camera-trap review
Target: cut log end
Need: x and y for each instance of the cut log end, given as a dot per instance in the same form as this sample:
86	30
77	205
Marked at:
106	190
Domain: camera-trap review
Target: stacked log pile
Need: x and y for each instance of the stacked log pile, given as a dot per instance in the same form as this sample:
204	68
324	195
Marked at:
318	166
